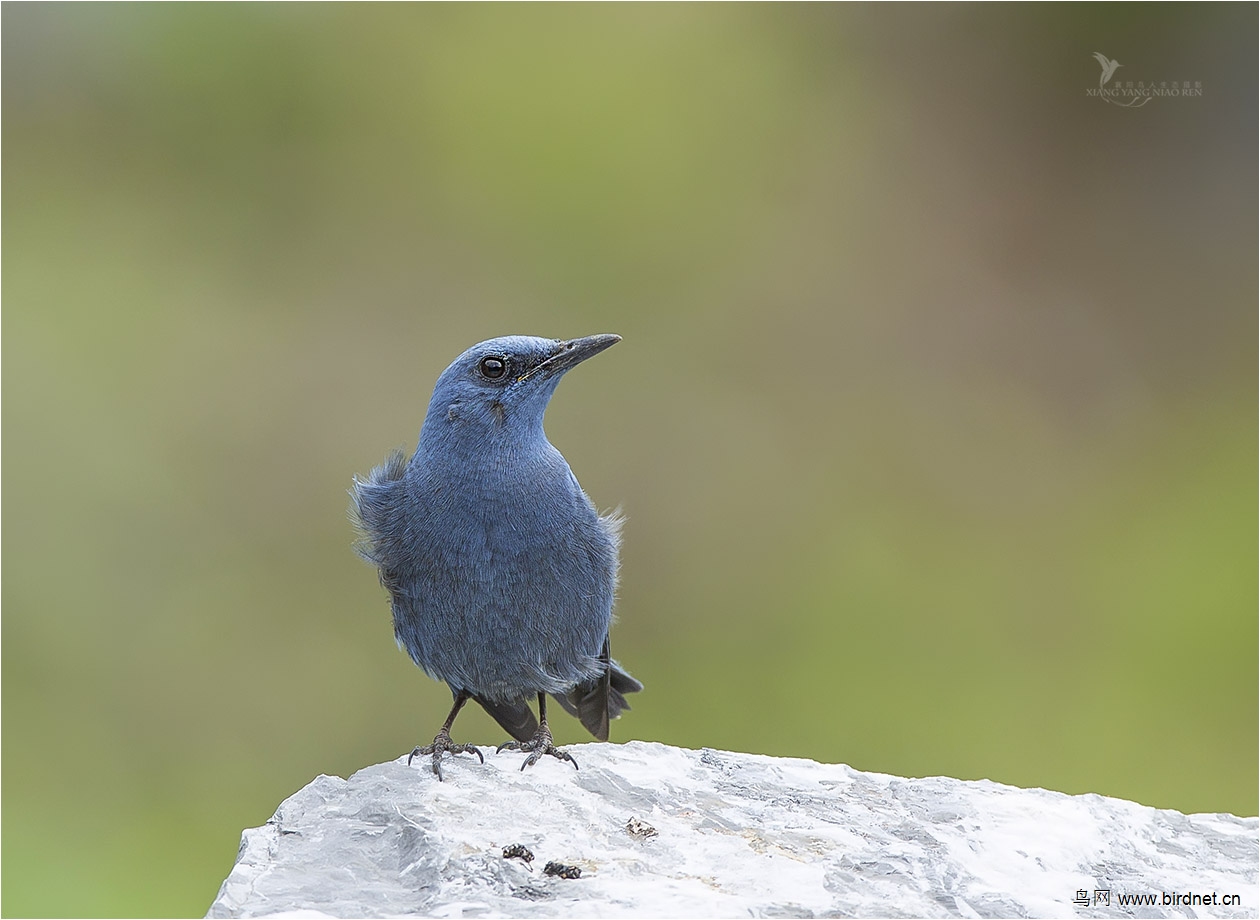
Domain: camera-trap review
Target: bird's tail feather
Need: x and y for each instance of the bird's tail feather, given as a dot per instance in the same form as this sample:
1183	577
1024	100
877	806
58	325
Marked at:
514	717
597	701
593	703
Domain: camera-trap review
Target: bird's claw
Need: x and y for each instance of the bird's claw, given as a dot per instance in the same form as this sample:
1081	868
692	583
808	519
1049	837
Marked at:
539	746
442	744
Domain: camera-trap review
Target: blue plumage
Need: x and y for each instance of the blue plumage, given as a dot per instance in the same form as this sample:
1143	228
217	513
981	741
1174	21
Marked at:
501	573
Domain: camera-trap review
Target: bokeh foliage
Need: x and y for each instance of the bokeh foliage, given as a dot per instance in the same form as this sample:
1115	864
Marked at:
935	418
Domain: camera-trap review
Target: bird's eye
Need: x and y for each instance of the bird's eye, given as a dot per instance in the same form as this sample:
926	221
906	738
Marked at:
492	367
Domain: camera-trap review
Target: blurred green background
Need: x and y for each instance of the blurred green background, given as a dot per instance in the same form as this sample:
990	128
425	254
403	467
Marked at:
935	421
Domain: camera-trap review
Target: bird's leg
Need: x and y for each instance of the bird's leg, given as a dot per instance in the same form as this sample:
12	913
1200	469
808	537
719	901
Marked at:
442	742
541	743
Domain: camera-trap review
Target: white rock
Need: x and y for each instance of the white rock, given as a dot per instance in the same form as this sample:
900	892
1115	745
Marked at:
736	835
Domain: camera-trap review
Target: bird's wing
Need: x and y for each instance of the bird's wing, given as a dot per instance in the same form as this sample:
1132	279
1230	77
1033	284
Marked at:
1102	59
515	717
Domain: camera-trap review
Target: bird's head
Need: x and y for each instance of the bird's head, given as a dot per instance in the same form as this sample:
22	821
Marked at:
504	383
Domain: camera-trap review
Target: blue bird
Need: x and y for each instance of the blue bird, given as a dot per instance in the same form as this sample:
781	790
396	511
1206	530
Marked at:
500	571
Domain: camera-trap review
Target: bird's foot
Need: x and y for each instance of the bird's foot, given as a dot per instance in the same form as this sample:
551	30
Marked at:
538	746
442	744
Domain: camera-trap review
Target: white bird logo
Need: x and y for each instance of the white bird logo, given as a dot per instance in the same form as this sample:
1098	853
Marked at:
1109	66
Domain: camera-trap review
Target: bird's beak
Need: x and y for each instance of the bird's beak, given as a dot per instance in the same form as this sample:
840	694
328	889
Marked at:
574	351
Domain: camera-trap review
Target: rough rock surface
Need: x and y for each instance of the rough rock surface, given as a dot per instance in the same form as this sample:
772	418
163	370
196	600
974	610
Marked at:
735	835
